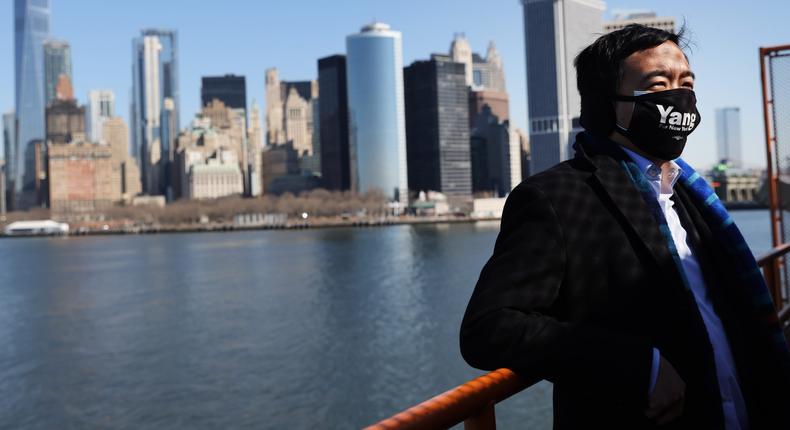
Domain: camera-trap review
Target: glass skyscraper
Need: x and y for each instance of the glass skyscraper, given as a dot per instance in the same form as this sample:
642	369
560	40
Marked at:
377	127
154	78
57	62
31	29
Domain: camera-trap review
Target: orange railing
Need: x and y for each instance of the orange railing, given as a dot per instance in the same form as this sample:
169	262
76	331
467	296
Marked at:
473	402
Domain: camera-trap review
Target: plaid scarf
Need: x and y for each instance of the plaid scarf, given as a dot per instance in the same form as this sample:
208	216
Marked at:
729	236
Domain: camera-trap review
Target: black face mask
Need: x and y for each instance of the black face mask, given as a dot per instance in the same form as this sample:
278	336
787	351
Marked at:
662	121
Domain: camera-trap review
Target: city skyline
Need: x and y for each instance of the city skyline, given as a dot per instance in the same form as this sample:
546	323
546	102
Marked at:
100	50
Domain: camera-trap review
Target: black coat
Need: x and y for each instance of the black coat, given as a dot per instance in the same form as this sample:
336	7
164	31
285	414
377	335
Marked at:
581	286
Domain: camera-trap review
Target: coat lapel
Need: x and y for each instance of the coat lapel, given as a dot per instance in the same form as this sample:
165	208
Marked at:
627	201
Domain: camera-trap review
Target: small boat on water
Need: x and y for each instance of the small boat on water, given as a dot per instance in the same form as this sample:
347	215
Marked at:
36	228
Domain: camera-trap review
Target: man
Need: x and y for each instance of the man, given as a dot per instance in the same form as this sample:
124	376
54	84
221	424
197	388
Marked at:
620	278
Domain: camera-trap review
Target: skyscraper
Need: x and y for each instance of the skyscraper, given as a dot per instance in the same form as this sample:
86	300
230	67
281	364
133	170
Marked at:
65	121
154	78
254	146
377	127
101	105
229	89
57	63
728	135
9	146
437	127
643	17
292	118
461	52
555	31
488	73
333	108
495	155
275	134
31	28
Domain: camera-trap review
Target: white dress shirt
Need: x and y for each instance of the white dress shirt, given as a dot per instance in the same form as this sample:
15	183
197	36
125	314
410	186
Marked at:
663	179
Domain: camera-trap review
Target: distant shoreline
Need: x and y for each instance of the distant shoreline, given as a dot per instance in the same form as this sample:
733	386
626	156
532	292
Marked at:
295	224
229	227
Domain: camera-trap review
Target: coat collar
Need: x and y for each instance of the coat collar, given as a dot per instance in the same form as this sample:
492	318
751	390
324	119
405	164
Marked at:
603	157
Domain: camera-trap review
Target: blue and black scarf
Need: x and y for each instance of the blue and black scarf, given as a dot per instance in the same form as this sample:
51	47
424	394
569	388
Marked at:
723	228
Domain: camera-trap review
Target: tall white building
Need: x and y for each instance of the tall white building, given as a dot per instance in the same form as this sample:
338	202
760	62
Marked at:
555	31
255	146
728	135
514	156
101	106
376	111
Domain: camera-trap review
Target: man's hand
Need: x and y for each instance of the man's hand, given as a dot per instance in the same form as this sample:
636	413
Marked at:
666	400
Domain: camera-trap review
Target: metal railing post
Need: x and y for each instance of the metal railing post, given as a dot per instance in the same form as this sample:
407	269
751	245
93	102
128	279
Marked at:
485	419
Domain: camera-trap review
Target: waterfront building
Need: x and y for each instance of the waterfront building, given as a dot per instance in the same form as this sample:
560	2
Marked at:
10	159
555	31
229	89
282	171
334	138
2	187
514	155
275	134
377	129
495	156
116	136
497	101
461	52
523	140
154	78
255	147
437	132
82	178
65	121
728	136
31	29
101	106
217	130
292	117
298	119
216	176
57	64
488	74
642	17
481	73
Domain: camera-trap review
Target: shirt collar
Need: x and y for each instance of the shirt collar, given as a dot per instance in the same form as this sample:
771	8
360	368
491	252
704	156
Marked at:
654	173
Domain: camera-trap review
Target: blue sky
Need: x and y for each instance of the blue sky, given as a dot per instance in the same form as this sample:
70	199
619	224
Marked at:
247	36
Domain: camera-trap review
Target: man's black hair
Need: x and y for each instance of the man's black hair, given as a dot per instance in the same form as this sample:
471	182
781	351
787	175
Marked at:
599	69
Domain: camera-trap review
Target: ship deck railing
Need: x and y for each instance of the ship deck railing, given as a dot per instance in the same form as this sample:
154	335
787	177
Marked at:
473	403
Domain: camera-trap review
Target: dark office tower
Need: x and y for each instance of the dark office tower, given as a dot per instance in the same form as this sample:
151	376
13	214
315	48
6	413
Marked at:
333	111
491	155
437	127
229	89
